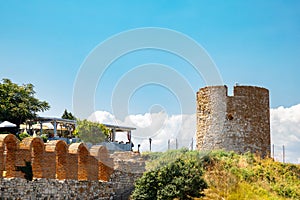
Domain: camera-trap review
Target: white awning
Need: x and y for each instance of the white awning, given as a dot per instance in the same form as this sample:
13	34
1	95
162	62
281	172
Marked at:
7	124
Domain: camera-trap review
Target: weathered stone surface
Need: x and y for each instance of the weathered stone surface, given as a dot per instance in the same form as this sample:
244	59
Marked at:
83	173
239	123
119	186
18	188
53	160
128	162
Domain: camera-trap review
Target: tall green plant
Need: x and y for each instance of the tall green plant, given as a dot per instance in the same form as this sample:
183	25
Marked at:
17	102
91	132
180	176
68	115
23	135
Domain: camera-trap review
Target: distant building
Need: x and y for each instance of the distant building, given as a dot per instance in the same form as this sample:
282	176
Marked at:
114	145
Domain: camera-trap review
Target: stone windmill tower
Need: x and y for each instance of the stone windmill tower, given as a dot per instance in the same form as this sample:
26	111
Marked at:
237	123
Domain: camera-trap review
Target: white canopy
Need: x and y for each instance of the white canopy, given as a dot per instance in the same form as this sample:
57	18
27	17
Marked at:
45	126
7	124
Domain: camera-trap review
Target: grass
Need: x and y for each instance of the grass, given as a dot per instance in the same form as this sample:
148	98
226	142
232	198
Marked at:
231	176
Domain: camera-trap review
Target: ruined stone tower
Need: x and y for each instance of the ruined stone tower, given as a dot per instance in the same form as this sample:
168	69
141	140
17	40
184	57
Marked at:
237	123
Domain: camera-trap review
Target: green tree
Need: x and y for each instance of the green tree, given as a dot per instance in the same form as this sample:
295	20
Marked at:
23	135
68	115
146	187
91	132
180	179
17	102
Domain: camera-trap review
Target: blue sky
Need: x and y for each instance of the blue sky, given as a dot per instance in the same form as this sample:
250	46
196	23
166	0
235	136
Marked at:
251	42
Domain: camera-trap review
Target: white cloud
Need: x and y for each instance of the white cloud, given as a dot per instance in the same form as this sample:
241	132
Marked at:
158	126
285	130
103	117
141	121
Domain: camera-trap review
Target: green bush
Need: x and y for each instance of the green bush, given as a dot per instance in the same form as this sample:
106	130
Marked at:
23	135
44	137
91	132
183	174
180	176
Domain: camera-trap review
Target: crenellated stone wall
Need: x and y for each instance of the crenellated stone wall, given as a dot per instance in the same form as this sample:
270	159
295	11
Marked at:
239	123
54	160
66	172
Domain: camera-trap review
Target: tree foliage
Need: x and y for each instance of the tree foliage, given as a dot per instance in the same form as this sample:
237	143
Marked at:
17	102
91	132
23	135
228	176
68	115
180	179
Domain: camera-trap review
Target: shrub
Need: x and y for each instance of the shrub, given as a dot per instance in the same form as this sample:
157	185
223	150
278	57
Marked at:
225	175
181	179
23	135
44	137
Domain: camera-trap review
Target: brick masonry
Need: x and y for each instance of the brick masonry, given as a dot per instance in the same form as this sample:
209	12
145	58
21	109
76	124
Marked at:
66	172
237	123
54	160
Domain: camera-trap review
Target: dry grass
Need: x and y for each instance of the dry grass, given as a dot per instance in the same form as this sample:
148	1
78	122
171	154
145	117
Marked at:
239	177
231	176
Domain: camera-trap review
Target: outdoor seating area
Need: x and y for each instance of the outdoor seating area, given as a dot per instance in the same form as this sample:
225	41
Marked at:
114	145
51	128
51	125
62	129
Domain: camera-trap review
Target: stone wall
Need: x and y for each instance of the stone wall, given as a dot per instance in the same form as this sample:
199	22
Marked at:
129	162
54	160
239	123
128	167
66	172
19	188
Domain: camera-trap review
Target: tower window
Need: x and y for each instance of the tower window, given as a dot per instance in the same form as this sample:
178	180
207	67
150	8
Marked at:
229	116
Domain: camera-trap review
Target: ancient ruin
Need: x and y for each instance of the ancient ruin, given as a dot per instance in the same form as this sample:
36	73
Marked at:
239	123
61	171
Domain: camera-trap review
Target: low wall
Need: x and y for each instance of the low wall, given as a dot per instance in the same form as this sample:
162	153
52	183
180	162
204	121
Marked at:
119	187
128	167
53	160
18	188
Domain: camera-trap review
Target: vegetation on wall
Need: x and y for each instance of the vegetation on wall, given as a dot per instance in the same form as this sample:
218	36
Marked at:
227	175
